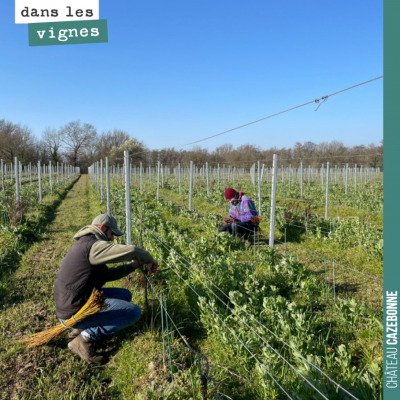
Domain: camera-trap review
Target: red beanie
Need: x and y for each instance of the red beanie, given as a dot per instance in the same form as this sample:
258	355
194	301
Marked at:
230	193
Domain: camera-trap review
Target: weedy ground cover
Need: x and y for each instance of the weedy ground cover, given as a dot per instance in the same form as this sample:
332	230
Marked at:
26	302
27	306
353	238
343	338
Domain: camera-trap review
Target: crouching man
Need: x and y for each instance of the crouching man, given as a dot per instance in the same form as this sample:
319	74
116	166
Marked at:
83	269
243	219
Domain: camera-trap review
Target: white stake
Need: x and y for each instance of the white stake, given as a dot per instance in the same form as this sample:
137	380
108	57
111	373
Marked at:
40	182
128	231
259	188
327	191
208	181
179	178
101	181
2	174
16	181
191	186
50	178
141	177
158	179
301	180
273	201
108	186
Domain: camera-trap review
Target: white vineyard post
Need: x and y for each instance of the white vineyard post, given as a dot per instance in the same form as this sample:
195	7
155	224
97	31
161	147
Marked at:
141	177
16	181
301	180
179	178
273	201
355	177
208	181
94	179
191	186
346	178
2	174
327	191
128	220
99	175
322	177
158	180
150	174
218	175
58	176
259	188
108	187
50	178
40	182
101	181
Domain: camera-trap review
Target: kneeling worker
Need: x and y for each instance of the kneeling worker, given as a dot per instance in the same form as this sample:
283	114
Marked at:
83	269
242	214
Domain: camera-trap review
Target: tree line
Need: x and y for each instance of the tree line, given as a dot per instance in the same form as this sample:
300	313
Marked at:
80	144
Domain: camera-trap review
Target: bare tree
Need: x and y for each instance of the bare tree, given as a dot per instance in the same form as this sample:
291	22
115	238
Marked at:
16	141
80	145
75	137
108	140
53	141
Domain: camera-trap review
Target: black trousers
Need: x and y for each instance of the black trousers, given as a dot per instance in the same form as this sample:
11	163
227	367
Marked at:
243	229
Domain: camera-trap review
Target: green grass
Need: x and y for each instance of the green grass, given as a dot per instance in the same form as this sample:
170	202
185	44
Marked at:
354	257
135	369
28	306
268	287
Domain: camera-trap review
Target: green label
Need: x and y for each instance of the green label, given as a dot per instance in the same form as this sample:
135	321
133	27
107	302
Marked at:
69	32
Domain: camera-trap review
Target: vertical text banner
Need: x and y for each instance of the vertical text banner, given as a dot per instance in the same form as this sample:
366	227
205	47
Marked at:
391	219
74	32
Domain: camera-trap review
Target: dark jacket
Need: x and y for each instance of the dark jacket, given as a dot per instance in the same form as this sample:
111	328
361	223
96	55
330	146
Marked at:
84	268
77	278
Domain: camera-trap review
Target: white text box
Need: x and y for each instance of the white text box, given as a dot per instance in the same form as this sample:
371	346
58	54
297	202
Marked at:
31	11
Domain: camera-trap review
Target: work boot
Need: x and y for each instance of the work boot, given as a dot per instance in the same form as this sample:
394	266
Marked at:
98	343
74	333
86	350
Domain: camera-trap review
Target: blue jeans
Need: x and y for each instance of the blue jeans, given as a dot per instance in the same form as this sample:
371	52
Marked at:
120	314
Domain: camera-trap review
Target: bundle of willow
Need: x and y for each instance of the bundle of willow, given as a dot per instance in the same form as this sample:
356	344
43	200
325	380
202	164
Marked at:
95	304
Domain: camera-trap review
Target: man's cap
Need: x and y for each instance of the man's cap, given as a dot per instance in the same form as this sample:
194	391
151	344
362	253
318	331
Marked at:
108	221
230	193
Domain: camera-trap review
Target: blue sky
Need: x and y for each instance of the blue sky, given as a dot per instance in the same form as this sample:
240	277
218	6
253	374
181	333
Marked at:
177	71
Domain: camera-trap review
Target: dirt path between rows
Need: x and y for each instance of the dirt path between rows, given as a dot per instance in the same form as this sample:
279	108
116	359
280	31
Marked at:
29	305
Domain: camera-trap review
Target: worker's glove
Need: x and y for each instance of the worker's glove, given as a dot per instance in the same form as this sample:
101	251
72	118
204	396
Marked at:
233	220
227	221
152	267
